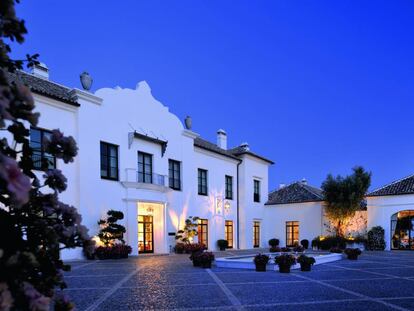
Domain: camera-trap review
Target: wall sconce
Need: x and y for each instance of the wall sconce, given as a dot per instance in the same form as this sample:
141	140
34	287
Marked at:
150	210
219	205
227	207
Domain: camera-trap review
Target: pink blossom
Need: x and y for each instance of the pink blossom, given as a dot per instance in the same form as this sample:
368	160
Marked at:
17	183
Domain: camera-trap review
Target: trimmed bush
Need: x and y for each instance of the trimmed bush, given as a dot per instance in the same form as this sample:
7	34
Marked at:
273	242
222	244
376	241
116	251
326	243
305	243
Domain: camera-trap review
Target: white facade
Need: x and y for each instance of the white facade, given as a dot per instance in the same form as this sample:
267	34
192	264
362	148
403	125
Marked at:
382	208
309	216
135	122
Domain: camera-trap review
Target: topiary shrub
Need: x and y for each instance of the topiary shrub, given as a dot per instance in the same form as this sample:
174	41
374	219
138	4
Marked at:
376	241
305	243
273	242
222	244
111	231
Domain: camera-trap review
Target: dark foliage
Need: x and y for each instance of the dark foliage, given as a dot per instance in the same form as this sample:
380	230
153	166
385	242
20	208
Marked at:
305	243
116	251
261	259
273	242
343	196
34	225
111	231
376	241
222	244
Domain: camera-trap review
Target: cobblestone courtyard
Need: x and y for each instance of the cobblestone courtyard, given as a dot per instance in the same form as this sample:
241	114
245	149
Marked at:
377	281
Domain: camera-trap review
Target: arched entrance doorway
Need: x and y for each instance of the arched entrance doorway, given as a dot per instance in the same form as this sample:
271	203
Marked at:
402	230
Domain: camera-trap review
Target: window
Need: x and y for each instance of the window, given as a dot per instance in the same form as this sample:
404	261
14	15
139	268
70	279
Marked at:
292	233
256	195
202	182
229	187
228	232
41	159
256	233
109	161
202	231
144	167
174	172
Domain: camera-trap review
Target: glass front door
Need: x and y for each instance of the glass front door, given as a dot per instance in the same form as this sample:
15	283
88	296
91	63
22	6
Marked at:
145	234
402	230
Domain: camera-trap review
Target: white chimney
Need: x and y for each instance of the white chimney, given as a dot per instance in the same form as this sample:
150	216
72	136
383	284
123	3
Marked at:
245	146
41	71
222	139
281	186
304	181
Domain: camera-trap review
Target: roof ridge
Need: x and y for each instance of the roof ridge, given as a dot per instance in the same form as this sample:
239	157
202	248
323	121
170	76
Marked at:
391	183
46	80
310	189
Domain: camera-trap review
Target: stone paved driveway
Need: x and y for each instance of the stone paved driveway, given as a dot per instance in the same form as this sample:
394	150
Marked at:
378	281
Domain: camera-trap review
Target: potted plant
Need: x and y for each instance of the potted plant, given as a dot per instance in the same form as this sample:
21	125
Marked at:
352	253
305	262
305	243
205	259
274	245
195	249
285	261
275	249
336	250
261	260
222	244
179	248
298	249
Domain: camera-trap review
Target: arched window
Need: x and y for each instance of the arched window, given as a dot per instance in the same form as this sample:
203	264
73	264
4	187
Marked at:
402	230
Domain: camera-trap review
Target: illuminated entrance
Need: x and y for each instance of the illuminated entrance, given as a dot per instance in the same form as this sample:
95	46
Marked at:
145	234
402	230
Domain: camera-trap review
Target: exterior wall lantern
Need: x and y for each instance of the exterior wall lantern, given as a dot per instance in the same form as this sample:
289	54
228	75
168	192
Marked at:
227	207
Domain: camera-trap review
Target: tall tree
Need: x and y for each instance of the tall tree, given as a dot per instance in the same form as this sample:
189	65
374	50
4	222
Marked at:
34	225
344	196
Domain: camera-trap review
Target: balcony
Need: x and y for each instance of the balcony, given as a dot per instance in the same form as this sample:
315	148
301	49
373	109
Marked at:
135	179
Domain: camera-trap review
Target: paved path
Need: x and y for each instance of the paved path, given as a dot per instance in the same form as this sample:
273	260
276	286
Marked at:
377	281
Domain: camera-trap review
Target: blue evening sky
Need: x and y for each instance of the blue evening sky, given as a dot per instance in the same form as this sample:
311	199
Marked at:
317	86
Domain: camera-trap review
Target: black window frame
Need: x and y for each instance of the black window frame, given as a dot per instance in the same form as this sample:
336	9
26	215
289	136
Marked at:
256	190
228	187
202	231
290	232
144	176
202	176
107	146
256	233
43	155
229	233
174	181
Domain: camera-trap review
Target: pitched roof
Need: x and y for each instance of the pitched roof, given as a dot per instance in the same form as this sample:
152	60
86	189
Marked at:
206	145
297	192
45	87
401	186
238	151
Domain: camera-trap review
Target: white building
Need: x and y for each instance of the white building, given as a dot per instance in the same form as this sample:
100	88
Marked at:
135	156
392	207
297	211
